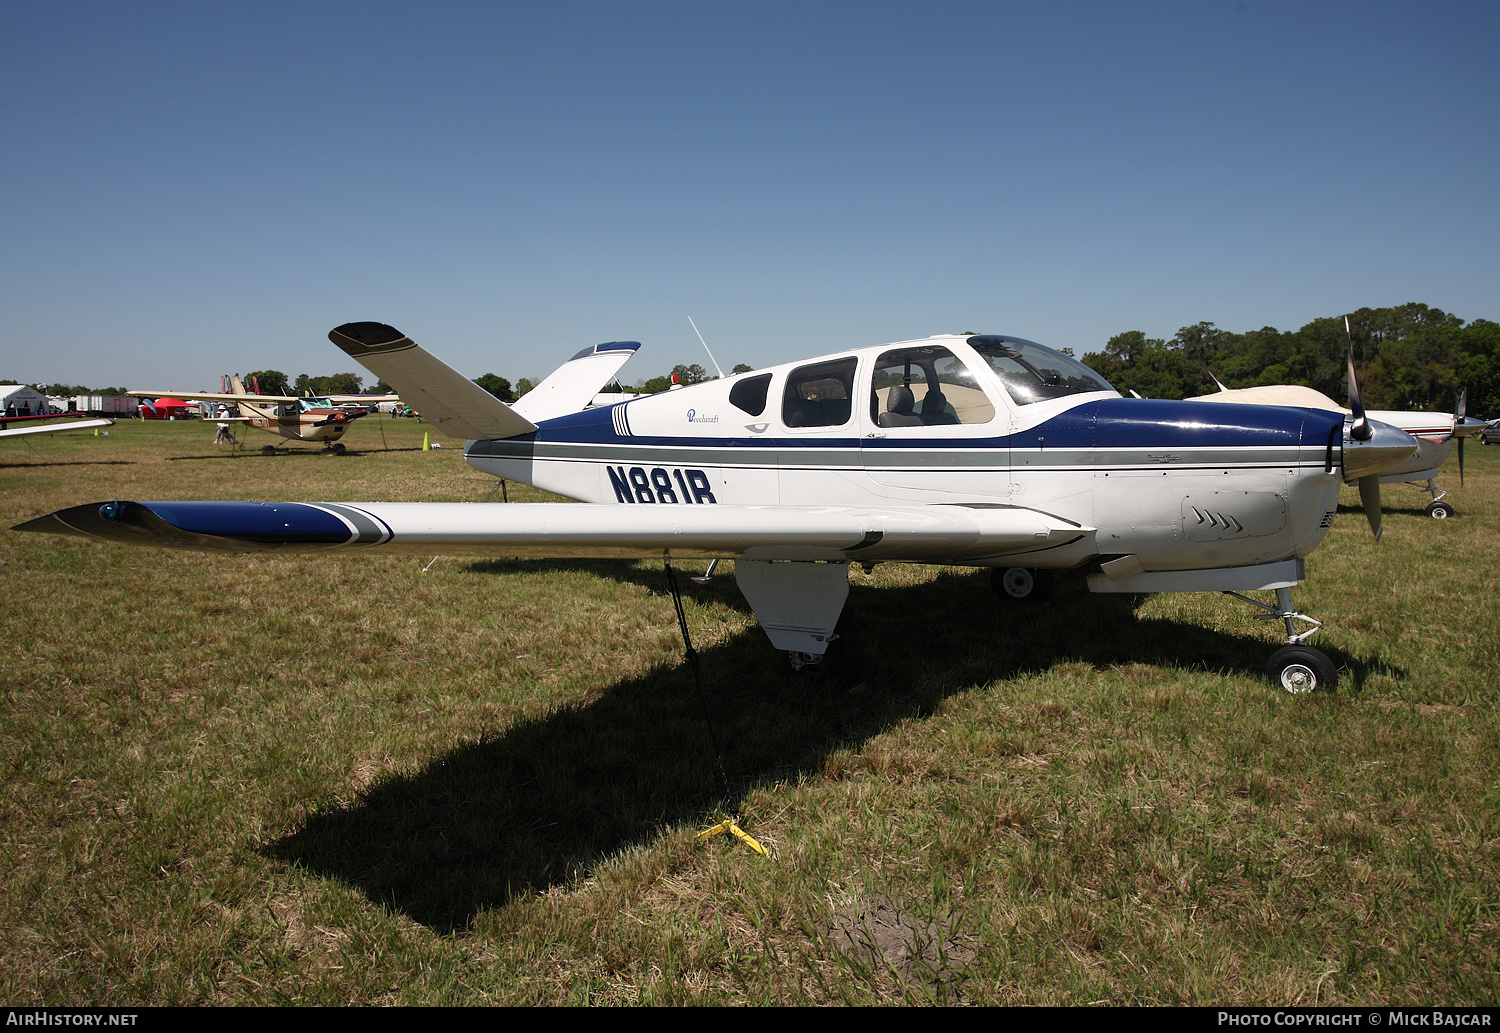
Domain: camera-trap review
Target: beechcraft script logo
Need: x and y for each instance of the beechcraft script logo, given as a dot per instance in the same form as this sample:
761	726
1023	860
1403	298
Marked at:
1164	457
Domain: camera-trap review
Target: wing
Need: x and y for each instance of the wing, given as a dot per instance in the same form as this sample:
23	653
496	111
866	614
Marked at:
55	428
931	534
1274	394
211	396
458	407
572	385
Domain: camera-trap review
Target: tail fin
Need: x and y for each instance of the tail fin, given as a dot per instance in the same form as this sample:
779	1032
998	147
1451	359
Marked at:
236	386
455	404
572	385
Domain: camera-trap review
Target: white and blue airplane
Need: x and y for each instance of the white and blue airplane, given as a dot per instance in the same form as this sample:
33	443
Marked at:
972	449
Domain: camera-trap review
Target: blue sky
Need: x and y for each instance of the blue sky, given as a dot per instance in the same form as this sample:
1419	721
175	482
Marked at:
193	189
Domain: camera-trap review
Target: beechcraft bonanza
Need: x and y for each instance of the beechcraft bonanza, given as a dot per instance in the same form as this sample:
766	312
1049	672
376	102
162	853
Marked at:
977	450
1435	433
287	416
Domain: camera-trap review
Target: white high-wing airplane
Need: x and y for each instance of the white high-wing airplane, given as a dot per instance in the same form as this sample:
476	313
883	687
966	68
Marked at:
287	416
976	450
1435	433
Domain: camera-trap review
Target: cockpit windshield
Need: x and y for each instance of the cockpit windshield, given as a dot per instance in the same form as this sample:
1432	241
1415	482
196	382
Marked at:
1032	372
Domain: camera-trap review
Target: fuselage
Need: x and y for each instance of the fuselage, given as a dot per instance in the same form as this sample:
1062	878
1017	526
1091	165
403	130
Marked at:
970	421
307	419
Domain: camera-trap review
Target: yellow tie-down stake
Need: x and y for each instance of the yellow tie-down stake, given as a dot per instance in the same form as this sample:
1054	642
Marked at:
728	825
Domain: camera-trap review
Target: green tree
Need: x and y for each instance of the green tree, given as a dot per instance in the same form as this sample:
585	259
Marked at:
694	374
1155	368
338	384
497	386
522	386
1479	366
742	368
271	381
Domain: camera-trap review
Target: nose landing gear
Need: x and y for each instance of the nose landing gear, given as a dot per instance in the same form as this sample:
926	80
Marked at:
1295	667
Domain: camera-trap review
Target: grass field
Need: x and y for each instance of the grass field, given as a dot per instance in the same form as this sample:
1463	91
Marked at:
292	780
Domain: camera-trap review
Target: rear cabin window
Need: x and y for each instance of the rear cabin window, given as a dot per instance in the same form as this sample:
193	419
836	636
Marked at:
819	395
926	386
750	394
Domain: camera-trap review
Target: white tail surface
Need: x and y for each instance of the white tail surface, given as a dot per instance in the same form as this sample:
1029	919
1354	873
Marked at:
445	397
573	385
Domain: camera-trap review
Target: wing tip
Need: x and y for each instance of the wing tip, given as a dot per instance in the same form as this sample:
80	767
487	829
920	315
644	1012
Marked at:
363	338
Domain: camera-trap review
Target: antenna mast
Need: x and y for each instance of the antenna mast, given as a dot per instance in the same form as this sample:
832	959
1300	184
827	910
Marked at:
705	347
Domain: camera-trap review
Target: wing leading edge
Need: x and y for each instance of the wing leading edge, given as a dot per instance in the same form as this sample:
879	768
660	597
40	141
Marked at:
55	428
941	534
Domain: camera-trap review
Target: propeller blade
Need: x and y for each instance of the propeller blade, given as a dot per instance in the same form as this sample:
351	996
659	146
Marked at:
1361	429
1460	410
1369	494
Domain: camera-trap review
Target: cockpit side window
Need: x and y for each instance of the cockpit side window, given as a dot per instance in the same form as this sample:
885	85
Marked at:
926	386
819	395
750	394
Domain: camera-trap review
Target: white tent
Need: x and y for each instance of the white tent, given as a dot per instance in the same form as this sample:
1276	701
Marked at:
21	400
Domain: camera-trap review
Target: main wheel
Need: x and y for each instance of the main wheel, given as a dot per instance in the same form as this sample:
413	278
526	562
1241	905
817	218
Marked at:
268	450
842	663
1021	584
1439	510
1301	669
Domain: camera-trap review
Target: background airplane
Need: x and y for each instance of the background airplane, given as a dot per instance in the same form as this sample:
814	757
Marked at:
978	450
1435	433
288	416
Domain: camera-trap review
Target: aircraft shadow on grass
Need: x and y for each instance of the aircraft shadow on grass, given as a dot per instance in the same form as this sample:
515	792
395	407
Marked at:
542	803
71	462
284	453
1394	509
721	589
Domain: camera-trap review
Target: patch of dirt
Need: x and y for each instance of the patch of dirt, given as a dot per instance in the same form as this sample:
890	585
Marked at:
892	937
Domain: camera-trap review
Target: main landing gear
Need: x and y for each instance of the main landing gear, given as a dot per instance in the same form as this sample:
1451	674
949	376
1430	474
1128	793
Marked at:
1295	667
842	663
1025	586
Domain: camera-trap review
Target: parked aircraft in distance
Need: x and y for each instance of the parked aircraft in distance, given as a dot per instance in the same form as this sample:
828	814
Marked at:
971	449
1435	433
288	416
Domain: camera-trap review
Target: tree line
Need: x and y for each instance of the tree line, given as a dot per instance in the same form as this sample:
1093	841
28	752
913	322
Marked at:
685	374
1411	356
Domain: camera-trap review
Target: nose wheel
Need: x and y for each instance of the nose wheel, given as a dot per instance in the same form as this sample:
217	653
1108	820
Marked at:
1437	508
1297	668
